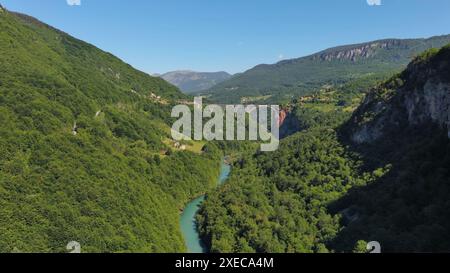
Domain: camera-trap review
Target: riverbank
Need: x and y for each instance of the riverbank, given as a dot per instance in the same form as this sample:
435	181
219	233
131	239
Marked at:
188	221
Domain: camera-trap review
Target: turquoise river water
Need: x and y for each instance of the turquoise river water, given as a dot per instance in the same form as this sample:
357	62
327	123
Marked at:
188	222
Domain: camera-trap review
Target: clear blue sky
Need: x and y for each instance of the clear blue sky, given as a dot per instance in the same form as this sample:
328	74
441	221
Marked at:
233	35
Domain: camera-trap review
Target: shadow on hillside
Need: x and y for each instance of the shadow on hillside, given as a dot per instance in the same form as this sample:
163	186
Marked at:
290	126
407	208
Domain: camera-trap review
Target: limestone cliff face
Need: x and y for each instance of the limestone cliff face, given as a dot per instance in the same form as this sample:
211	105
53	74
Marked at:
363	51
421	94
430	103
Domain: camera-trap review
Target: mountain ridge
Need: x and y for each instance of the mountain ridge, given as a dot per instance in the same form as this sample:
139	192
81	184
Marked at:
333	66
192	81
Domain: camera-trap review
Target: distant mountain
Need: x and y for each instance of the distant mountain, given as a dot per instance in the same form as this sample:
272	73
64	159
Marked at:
335	66
191	81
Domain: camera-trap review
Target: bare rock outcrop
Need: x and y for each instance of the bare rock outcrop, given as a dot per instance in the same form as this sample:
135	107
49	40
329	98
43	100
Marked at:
421	94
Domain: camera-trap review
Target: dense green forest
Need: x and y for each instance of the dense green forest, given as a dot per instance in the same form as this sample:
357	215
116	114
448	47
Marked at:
85	149
323	192
280	82
86	153
276	202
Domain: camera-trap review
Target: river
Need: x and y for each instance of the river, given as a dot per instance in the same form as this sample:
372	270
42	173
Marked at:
188	222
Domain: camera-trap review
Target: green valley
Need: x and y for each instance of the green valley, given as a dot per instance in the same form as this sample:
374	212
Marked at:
87	153
379	174
83	153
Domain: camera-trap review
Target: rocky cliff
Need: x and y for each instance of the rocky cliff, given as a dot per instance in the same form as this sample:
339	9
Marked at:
289	123
362	51
303	76
419	95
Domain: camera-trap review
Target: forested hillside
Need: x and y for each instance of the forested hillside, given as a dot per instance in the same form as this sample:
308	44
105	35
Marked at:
84	147
330	68
86	152
380	174
403	125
